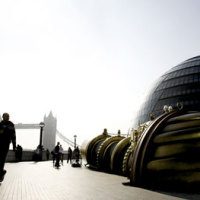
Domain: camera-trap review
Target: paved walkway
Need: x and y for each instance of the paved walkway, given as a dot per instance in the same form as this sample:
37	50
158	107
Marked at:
40	181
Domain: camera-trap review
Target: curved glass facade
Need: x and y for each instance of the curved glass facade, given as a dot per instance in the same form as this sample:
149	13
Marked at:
179	84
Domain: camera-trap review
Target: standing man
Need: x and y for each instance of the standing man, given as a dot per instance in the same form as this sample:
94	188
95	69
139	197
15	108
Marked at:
69	155
7	134
57	154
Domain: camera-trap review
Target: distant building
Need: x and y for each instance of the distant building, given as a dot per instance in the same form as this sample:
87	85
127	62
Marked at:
180	84
49	135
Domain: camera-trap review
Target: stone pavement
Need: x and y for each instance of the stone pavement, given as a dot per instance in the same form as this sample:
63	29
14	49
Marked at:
40	181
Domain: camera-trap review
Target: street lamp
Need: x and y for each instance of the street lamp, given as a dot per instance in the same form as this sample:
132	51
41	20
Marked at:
42	124
75	141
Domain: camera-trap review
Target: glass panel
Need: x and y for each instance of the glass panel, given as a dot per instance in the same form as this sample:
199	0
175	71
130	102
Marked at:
193	63
198	62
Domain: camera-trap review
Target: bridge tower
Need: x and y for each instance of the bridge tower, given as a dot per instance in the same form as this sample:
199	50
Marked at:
49	134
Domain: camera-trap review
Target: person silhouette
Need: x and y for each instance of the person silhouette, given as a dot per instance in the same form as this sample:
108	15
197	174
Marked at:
57	154
69	155
18	153
76	154
61	154
7	134
47	154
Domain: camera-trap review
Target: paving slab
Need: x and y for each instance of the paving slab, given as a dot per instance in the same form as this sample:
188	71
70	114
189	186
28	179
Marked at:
40	181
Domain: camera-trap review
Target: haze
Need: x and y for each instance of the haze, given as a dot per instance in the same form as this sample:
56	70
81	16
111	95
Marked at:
89	62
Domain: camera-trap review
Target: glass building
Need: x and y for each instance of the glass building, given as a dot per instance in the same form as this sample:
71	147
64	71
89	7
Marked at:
179	84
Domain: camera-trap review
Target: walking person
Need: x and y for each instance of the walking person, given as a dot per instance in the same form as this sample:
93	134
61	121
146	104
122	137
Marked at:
69	155
56	150
7	134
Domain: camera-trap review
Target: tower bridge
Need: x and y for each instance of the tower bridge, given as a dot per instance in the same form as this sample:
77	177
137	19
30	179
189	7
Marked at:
49	131
37	126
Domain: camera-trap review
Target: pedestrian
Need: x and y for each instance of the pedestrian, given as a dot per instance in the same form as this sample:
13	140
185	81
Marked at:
18	153
76	154
47	154
53	156
7	135
69	155
56	150
61	154
37	155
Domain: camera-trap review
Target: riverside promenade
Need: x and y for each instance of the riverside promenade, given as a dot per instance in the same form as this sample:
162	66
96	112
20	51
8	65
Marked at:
40	181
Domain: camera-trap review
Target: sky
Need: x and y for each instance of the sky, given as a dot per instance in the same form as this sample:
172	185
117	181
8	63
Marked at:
89	62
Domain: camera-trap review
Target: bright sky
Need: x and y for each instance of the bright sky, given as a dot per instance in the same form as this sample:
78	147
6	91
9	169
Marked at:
89	61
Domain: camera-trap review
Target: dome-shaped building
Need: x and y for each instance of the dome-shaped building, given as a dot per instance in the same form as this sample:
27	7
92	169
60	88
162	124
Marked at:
179	84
